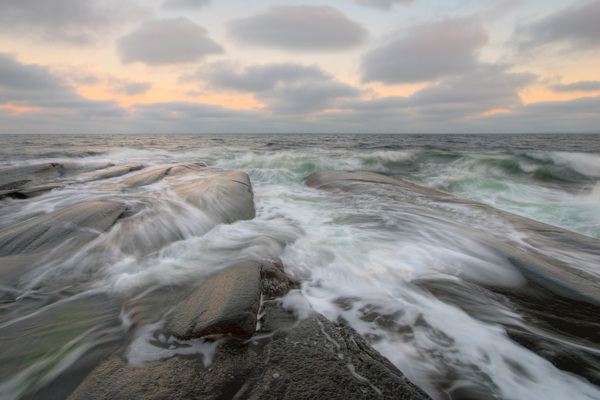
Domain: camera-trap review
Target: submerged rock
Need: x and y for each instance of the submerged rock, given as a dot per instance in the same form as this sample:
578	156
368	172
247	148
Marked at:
80	223
19	176
549	273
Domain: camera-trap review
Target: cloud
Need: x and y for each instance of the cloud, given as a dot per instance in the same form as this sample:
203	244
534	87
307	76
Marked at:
382	4
577	26
71	22
581	86
299	28
427	52
129	88
175	4
34	86
285	88
489	87
167	41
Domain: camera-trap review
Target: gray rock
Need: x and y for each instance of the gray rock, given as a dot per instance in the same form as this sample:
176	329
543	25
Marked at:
222	195
309	359
146	178
226	304
80	223
114	172
28	192
19	176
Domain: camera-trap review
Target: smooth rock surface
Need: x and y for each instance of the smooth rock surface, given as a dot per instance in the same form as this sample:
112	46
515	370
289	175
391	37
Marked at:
224	196
225	304
115	171
19	176
80	222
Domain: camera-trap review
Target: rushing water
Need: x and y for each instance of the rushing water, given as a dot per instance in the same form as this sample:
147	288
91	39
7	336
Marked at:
370	260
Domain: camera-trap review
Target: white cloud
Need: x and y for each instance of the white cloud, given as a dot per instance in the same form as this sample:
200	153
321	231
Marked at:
427	52
167	41
72	22
299	28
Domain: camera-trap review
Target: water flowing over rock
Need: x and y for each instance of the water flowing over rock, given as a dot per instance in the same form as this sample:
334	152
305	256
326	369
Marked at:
288	358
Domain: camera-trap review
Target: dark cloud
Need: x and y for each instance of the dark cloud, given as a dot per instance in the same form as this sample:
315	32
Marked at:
129	88
184	3
167	41
382	4
286	88
72	22
582	86
31	85
299	28
576	26
427	52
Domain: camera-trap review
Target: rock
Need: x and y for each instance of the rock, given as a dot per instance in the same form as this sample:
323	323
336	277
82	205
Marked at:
28	192
226	304
79	223
552	274
309	359
16	177
146	178
114	172
223	196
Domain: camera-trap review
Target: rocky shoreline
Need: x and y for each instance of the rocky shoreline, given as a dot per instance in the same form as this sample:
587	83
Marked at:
261	338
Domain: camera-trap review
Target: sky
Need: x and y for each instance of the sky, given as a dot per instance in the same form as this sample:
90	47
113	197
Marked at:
347	66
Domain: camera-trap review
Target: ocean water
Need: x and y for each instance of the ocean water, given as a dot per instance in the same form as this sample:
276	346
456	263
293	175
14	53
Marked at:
429	295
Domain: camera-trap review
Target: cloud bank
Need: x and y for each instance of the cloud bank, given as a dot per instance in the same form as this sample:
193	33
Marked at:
177	4
382	4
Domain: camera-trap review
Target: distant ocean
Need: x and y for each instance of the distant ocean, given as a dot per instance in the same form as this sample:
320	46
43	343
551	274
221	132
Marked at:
352	254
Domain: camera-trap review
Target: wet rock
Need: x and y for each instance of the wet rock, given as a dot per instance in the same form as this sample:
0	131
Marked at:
309	359
78	223
114	172
222	195
146	178
28	192
552	274
226	304
20	176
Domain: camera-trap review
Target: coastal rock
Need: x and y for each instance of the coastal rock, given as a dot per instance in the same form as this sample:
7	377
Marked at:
552	274
18	176
78	223
114	172
225	304
224	196
309	359
146	178
28	192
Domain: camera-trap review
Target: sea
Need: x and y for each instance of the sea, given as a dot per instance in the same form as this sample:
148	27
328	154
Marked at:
362	260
